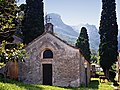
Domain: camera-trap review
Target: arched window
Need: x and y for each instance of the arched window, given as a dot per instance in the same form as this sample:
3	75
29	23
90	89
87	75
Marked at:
47	54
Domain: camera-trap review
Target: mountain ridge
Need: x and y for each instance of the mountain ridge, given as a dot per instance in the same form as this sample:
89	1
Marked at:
70	33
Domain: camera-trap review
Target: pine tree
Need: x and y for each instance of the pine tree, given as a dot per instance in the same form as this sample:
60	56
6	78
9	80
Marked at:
83	43
108	31
8	10
33	23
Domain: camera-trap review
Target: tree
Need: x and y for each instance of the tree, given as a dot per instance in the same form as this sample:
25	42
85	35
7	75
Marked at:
95	57
22	7
8	10
20	16
108	31
33	23
8	25
83	43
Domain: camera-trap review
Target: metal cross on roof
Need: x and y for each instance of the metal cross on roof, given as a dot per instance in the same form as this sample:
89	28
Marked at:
47	19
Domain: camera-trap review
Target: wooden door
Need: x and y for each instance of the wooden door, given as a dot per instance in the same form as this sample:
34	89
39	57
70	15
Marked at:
47	74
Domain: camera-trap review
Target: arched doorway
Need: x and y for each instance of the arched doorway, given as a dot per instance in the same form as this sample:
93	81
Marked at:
47	68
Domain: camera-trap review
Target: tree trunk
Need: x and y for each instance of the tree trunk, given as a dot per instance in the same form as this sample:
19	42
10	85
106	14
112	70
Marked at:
107	73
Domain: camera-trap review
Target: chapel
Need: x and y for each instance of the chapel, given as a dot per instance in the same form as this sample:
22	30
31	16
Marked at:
52	61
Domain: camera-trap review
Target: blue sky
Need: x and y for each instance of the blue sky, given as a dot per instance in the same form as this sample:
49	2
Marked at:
77	11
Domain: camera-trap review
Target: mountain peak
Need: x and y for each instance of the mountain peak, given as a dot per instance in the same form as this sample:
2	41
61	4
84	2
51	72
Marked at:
55	19
54	15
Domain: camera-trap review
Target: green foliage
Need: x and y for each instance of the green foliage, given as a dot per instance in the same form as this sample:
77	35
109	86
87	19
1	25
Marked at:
112	72
94	57
112	75
83	43
20	17
12	53
100	72
8	23
7	18
108	31
33	23
22	7
2	65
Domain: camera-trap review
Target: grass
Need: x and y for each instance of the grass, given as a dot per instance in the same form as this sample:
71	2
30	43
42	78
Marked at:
6	84
118	86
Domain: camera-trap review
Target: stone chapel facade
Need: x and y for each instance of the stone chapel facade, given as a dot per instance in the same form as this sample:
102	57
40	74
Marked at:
51	61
